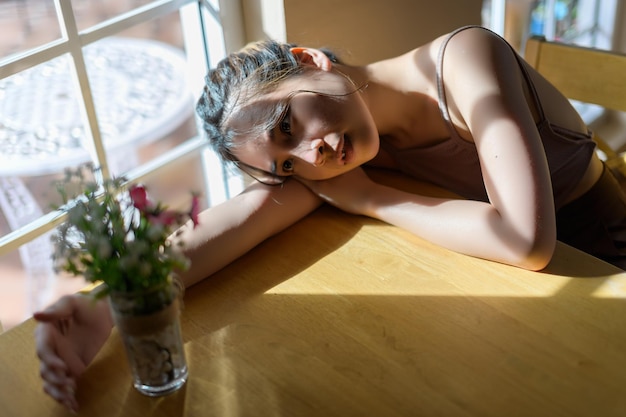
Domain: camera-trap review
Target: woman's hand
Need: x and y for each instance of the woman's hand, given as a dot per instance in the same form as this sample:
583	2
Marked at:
69	334
350	191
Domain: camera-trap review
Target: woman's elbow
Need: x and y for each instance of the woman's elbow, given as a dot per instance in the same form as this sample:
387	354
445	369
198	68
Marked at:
536	262
538	255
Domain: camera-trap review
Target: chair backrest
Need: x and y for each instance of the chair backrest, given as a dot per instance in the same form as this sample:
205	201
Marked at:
585	74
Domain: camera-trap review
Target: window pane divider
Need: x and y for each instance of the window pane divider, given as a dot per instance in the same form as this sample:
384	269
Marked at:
69	31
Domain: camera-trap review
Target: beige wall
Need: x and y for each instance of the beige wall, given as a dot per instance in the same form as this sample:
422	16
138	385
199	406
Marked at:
263	19
361	31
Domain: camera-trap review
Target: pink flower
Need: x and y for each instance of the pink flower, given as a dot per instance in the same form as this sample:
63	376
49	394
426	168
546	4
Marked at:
139	196
156	214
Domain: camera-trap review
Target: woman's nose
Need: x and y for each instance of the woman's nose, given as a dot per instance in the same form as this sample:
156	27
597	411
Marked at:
314	152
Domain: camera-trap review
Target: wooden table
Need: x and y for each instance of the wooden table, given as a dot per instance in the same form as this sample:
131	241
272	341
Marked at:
342	315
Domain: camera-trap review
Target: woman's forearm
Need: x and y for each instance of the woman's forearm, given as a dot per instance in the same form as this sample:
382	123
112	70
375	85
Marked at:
471	227
229	230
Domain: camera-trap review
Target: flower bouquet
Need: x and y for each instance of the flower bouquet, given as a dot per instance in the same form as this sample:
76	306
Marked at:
115	235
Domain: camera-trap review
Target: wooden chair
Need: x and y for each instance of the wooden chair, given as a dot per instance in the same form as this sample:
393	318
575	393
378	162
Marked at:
587	75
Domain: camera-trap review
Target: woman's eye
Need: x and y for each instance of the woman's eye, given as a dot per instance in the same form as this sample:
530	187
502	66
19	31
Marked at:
285	124
288	165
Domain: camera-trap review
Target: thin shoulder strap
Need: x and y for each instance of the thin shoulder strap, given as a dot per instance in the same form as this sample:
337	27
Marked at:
443	103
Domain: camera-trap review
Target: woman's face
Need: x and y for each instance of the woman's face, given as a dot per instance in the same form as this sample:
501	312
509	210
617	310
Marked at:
321	134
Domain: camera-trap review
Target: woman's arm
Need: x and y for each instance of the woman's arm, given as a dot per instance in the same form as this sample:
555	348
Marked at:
470	227
489	99
229	230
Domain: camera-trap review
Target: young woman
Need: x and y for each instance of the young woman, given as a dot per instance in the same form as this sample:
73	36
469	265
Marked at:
464	112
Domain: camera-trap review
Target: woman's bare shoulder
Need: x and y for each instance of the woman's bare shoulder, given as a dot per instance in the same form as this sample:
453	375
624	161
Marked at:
478	62
477	44
473	37
471	45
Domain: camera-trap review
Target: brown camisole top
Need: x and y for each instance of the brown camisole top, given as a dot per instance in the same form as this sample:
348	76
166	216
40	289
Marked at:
454	163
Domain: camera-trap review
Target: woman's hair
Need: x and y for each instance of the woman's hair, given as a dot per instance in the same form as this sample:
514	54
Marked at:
255	70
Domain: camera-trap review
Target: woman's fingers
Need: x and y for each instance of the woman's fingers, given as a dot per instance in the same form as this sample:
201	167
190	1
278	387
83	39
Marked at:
63	394
54	373
56	376
63	308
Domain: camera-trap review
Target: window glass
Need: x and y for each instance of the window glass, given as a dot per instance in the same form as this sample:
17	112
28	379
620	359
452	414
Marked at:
150	109
26	25
92	12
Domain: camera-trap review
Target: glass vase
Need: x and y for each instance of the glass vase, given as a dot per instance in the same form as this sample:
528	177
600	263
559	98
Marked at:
149	325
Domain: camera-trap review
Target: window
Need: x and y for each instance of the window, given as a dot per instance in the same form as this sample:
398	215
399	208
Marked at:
110	82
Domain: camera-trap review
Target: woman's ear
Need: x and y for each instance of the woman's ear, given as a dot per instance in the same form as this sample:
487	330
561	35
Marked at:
312	56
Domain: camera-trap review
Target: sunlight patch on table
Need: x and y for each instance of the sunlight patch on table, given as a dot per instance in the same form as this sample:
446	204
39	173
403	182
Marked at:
547	286
611	288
